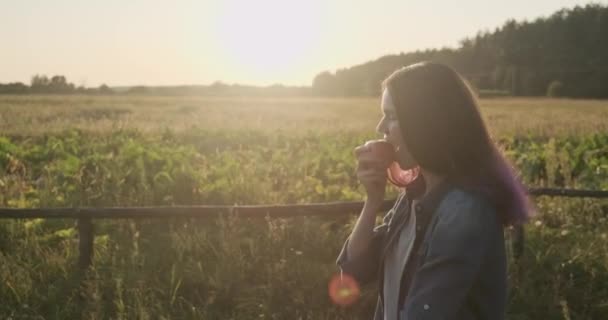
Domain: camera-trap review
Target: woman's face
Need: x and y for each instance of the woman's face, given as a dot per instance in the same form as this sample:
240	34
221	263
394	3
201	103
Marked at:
389	127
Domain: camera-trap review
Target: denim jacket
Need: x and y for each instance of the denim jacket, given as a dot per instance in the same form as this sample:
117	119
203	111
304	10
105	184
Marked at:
461	268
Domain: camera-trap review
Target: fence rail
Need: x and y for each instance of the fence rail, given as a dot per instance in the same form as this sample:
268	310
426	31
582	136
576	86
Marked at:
329	210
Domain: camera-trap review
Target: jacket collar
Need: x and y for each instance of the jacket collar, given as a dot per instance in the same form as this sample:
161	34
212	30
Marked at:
426	204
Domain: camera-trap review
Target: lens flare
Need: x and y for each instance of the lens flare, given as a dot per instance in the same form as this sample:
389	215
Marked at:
343	289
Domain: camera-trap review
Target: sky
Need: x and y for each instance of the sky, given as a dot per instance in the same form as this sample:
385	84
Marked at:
256	42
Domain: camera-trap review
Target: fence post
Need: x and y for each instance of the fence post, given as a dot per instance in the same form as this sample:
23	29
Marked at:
85	242
517	241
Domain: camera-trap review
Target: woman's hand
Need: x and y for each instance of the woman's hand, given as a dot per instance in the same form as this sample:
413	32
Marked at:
373	159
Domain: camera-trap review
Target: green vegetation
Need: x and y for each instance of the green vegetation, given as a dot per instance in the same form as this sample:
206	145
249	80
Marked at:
140	151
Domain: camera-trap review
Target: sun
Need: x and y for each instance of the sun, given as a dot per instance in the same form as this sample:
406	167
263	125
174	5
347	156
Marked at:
268	37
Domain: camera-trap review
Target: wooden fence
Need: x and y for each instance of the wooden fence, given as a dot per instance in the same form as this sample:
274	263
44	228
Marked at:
85	216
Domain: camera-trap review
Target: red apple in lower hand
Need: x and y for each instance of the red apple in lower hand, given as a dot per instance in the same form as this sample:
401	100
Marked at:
381	149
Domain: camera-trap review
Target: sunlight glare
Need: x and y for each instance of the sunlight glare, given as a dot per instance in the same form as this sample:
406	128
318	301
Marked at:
268	36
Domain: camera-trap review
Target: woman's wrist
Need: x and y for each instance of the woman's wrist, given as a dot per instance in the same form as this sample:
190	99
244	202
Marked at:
373	202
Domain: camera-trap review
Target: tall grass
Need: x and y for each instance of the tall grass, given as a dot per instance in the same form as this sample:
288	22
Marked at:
237	268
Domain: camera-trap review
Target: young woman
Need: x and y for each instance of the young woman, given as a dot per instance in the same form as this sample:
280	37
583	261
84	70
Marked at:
439	253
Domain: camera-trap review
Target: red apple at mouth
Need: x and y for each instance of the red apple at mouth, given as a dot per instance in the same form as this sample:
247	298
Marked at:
399	177
384	150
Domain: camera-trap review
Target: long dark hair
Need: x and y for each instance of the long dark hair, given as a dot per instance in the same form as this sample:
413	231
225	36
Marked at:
443	129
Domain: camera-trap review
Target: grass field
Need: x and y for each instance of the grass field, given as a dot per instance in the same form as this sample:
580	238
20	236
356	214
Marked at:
32	115
135	151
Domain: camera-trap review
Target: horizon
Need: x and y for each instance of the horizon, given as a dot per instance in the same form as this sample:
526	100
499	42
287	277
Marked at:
201	44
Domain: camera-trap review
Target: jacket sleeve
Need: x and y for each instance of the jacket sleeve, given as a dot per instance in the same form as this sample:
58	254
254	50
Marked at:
364	268
454	255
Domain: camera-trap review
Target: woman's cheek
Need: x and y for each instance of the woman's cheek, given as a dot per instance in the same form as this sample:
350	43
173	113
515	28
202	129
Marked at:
392	129
395	127
405	159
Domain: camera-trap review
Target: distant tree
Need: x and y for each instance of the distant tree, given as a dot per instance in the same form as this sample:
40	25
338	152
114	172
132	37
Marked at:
39	84
14	88
104	89
324	84
59	84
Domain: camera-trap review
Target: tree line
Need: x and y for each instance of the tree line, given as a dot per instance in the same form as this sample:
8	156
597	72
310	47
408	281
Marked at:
565	54
58	84
41	84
